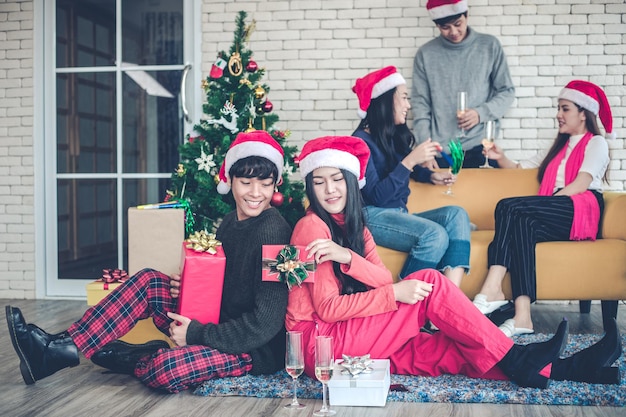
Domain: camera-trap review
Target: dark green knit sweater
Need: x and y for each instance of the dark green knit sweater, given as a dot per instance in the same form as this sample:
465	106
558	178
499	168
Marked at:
252	316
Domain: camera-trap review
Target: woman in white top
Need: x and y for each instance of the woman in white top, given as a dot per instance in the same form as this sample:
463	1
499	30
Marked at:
568	207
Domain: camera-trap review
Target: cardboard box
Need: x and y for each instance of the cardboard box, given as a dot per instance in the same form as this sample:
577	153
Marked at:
363	390
201	285
144	330
154	238
301	270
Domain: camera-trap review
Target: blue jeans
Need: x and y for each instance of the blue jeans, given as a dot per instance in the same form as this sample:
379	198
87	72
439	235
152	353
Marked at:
437	239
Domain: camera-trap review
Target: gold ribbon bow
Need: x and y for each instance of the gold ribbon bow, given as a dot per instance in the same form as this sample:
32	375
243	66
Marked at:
203	242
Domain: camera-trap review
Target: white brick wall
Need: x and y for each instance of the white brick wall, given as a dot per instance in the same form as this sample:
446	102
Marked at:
17	233
313	51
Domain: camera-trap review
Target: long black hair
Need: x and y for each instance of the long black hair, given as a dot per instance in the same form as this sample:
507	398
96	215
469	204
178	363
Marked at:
561	140
351	234
390	138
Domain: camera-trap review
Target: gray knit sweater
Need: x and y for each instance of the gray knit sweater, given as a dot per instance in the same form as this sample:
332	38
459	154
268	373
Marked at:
252	316
441	69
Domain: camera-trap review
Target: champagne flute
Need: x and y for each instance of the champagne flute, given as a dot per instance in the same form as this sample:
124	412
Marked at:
455	159
324	364
490	136
294	365
461	108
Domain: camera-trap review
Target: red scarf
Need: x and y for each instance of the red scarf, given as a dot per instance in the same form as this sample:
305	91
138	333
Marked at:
586	208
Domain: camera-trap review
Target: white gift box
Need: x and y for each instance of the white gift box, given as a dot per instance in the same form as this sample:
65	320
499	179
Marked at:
365	389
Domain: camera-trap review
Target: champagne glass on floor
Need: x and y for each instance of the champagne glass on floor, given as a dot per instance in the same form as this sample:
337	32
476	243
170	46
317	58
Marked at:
490	136
294	365
324	364
461	107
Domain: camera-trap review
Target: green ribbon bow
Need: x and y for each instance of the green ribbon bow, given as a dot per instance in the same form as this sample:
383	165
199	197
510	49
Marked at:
289	268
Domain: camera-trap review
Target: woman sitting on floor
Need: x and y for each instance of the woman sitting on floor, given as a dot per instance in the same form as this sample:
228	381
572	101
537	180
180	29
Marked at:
355	300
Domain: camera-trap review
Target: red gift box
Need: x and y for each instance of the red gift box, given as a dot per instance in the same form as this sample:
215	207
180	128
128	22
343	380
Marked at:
201	284
288	264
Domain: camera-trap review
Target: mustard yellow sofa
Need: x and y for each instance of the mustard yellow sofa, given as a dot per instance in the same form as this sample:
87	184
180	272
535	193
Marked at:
582	270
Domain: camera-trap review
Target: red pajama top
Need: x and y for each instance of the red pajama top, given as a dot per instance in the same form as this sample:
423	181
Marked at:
324	298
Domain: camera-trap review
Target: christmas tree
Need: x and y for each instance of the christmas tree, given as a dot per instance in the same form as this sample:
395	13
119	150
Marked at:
236	101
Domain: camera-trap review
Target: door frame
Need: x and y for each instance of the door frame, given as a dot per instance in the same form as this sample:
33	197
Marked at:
47	283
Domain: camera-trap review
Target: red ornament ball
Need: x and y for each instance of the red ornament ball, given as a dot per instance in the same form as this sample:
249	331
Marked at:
267	106
252	66
277	199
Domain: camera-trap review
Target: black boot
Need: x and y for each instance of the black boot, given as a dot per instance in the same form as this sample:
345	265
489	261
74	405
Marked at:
523	362
121	357
41	354
593	365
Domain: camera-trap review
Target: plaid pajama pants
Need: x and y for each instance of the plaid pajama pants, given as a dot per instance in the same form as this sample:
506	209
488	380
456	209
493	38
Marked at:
147	294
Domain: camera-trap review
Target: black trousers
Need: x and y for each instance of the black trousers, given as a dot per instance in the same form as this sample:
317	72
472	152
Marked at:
521	223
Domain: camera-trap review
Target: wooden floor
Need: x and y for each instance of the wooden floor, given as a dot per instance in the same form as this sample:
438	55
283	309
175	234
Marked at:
86	391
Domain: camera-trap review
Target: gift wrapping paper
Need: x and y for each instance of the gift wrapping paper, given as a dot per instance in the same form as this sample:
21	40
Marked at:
202	282
364	389
288	264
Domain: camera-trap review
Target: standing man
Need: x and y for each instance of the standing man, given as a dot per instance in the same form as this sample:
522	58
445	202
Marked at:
460	59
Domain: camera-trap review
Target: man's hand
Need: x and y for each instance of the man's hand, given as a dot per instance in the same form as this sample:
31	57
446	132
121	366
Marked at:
468	119
174	285
178	328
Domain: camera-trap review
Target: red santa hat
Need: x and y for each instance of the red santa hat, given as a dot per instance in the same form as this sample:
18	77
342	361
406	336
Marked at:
439	9
374	85
255	143
592	98
343	152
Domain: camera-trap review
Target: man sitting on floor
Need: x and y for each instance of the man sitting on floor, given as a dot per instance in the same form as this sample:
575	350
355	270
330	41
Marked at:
250	336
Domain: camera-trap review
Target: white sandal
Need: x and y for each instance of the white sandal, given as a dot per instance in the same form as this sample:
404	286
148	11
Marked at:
487	307
509	329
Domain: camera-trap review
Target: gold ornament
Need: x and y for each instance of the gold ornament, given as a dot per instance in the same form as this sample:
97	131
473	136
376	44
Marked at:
204	84
180	170
259	92
234	65
245	81
216	178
